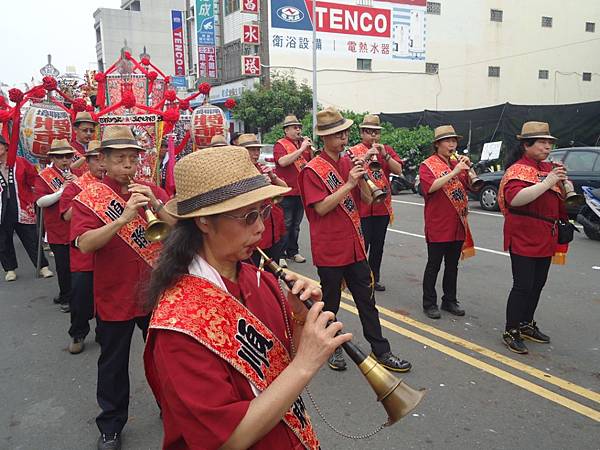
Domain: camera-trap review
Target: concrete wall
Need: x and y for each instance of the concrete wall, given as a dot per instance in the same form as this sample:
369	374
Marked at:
464	42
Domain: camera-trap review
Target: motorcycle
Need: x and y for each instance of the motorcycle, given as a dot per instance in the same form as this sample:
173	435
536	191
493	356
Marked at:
589	215
410	170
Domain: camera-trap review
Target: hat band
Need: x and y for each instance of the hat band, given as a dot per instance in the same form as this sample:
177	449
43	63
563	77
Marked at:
538	134
108	142
289	124
220	194
61	148
249	143
445	135
329	126
369	124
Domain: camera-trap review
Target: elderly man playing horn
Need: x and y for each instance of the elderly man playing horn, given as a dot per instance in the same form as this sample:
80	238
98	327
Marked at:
108	219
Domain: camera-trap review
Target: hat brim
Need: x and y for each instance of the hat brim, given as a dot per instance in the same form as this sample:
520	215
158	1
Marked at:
85	120
92	153
218	144
291	124
344	126
446	136
372	127
60	152
252	145
232	204
537	136
121	147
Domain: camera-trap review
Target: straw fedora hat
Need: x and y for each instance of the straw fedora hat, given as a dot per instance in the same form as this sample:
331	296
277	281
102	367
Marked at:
218	180
535	130
119	137
249	140
84	116
443	132
371	121
291	120
330	121
93	148
218	140
60	147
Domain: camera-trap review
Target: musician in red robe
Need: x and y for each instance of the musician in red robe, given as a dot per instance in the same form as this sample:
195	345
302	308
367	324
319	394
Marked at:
271	242
220	352
108	220
84	127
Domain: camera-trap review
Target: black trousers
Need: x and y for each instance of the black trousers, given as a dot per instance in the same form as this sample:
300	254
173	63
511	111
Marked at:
436	252
274	252
529	277
374	229
293	211
112	391
63	271
28	235
82	303
358	279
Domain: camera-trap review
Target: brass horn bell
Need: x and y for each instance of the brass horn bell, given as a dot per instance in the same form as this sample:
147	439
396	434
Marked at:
156	230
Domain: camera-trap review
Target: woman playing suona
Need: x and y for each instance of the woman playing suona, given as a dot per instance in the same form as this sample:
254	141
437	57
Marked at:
531	198
219	355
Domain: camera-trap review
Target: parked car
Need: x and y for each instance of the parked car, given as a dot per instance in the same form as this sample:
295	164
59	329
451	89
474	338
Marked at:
266	156
583	166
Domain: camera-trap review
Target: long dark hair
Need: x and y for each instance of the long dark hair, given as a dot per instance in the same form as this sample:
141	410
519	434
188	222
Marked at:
516	153
184	242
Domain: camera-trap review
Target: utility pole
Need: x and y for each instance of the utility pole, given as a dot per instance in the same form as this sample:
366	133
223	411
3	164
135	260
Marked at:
314	68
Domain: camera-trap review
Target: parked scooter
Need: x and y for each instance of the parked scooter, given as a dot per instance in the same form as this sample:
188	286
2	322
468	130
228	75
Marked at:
406	181
589	215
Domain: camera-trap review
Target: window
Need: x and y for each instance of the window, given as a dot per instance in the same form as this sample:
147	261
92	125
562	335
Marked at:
587	76
590	27
547	22
496	15
580	161
432	68
98	35
434	8
494	71
543	74
363	64
231	6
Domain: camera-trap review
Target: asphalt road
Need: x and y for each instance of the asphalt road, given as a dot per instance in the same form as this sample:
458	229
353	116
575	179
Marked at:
479	395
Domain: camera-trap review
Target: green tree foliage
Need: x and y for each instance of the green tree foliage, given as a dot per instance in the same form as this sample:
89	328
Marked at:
265	107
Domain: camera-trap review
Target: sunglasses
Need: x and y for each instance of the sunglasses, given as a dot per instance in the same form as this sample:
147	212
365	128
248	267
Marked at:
371	132
251	217
62	156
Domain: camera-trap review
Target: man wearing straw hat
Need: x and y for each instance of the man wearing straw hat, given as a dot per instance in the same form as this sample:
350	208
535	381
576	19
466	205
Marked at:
291	154
376	217
108	220
17	213
328	185
82	265
49	187
84	127
275	223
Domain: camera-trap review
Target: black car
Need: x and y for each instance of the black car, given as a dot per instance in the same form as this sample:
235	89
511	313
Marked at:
583	166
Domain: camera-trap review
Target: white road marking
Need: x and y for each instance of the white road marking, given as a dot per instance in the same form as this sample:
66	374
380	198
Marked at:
470	211
487	250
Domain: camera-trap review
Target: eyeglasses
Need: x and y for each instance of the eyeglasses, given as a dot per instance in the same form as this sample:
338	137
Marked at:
87	130
253	215
62	156
341	134
371	132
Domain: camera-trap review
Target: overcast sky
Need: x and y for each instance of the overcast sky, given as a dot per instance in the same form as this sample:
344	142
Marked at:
32	29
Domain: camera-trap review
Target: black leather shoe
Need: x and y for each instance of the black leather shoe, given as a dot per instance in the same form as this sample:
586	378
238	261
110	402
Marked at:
532	332
379	287
393	363
337	361
109	441
57	300
514	341
453	308
432	312
65	308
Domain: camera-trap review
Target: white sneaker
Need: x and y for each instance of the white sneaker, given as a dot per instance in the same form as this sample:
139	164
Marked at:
283	263
46	273
11	275
298	258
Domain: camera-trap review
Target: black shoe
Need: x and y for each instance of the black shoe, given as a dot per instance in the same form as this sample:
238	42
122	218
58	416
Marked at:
393	363
337	361
57	300
65	308
532	332
453	308
379	287
109	441
432	312
514	341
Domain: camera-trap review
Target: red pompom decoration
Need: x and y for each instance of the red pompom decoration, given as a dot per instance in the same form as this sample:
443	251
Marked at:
37	92
184	105
230	103
204	88
152	75
145	61
79	104
171	115
49	83
15	95
170	95
167	80
128	100
100	77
